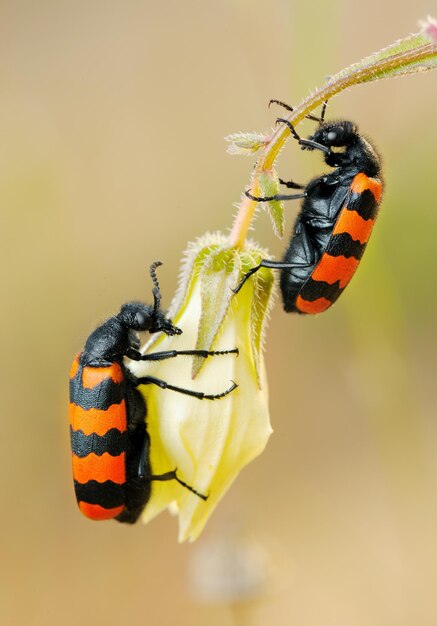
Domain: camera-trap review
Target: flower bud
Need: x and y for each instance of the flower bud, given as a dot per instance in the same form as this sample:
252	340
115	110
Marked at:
209	442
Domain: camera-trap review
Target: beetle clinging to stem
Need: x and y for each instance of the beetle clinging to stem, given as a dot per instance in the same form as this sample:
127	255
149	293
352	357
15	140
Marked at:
336	219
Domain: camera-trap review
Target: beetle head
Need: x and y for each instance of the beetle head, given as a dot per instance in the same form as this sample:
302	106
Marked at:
136	315
337	134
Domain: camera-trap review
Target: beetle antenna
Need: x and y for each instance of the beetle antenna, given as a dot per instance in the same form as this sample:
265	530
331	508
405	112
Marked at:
156	290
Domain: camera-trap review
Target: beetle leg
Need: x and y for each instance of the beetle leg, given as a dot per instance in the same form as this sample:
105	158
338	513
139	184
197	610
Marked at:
323	111
169	354
173	476
291	128
252	271
308	248
275	265
277	197
290	184
200	395
290	108
133	354
143	470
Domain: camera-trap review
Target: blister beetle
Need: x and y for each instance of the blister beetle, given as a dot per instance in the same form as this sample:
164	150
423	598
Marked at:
109	439
336	219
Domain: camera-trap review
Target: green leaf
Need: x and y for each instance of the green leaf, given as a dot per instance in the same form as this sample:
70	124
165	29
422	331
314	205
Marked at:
259	288
263	286
269	184
246	143
218	276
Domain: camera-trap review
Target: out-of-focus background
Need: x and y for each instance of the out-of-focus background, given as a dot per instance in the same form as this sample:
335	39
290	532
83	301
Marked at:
112	118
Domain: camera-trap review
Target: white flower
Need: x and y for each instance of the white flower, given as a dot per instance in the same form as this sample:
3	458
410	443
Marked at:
209	442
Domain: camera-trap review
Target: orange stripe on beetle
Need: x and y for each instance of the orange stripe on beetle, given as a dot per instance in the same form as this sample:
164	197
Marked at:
98	421
316	306
361	182
353	224
100	468
93	376
331	269
98	513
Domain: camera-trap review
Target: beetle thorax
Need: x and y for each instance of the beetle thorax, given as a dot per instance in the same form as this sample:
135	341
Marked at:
109	342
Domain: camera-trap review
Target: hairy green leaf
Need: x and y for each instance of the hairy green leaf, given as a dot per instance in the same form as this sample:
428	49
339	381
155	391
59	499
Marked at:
269	184
246	143
218	276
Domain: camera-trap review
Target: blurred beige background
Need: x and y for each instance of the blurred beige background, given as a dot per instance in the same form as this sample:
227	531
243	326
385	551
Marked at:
112	118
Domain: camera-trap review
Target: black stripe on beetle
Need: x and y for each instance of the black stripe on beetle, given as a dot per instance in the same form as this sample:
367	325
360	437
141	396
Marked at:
113	442
343	245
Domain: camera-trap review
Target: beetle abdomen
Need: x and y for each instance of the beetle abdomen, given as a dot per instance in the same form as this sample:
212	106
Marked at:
98	428
345	248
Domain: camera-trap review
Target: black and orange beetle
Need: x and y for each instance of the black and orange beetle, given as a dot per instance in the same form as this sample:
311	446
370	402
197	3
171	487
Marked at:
337	216
109	439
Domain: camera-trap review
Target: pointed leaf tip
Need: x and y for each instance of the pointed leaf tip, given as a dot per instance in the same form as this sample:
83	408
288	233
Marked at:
269	184
218	276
